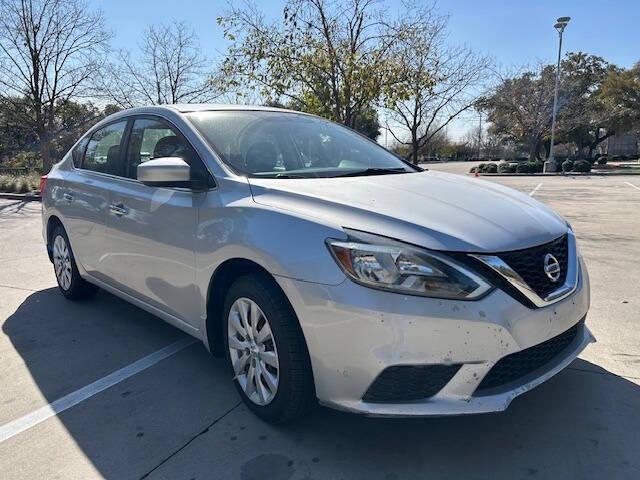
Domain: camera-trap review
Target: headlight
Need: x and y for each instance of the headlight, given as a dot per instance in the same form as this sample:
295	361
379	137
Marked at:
382	263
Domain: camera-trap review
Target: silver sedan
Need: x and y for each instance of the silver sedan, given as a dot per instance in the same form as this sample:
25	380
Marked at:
322	266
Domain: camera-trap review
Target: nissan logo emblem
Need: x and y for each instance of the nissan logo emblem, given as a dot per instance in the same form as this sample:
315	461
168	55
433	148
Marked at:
551	267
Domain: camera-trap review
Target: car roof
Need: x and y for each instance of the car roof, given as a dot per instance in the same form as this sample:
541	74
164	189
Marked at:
205	107
180	108
201	107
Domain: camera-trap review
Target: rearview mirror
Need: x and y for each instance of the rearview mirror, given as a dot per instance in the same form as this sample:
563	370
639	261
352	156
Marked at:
165	172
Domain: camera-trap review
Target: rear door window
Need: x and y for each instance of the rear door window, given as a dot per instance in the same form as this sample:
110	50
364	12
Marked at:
78	152
103	153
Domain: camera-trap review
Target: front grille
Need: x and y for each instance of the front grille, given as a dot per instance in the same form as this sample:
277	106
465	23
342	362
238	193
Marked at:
529	264
405	383
517	365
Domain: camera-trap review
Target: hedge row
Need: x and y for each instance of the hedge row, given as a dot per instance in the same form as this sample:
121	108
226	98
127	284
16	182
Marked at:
578	165
504	167
534	167
19	184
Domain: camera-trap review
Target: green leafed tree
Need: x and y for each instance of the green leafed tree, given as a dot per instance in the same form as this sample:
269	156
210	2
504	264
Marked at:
596	100
619	95
18	140
331	58
583	118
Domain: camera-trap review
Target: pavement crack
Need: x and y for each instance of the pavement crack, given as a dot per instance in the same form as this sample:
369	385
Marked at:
190	441
18	288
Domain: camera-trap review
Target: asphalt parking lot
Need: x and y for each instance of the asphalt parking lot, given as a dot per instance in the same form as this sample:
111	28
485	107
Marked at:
176	415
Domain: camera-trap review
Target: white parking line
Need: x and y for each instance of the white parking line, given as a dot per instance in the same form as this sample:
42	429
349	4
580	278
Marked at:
632	185
15	427
533	192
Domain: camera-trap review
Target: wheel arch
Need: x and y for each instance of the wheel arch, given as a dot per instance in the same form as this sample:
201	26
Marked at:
224	275
52	222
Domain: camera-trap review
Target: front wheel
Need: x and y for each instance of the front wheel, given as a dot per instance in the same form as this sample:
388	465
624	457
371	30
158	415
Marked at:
267	351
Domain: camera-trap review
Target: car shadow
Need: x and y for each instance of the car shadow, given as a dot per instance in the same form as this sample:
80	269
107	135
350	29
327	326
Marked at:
580	424
182	417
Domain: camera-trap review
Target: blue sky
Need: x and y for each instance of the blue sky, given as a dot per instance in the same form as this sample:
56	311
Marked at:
514	33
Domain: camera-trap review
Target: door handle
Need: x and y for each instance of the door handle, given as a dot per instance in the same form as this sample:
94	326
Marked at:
118	209
68	197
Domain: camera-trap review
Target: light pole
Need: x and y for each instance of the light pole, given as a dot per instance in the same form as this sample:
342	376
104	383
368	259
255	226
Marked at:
480	134
559	26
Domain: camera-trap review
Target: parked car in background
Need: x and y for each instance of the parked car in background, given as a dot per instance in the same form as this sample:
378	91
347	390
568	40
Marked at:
322	266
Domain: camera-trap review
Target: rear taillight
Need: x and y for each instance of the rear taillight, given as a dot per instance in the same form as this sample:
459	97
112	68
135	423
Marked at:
43	184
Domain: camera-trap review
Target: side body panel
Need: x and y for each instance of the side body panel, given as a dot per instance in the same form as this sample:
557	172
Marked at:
84	201
149	250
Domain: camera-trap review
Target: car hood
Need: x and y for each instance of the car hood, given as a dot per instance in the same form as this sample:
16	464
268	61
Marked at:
435	210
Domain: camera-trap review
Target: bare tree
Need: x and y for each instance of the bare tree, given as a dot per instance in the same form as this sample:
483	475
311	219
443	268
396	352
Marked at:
49	49
440	82
170	68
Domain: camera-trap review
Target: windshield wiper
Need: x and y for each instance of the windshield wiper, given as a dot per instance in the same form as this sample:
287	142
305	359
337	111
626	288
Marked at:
373	171
289	175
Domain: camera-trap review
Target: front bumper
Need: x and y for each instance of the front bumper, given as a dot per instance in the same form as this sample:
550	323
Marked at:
354	333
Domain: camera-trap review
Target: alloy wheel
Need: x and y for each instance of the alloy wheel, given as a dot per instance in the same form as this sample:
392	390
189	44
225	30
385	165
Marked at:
62	262
253	351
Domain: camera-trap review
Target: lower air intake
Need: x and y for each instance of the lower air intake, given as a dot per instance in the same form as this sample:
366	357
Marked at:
406	383
520	364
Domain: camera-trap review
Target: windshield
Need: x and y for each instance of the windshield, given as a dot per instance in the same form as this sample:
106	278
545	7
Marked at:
289	145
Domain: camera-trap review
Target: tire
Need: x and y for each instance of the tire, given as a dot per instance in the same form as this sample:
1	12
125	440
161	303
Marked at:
70	283
295	392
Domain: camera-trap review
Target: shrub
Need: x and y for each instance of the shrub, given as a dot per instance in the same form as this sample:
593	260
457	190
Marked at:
602	160
535	167
491	168
19	184
522	167
4	183
485	168
582	166
22	185
567	165
505	167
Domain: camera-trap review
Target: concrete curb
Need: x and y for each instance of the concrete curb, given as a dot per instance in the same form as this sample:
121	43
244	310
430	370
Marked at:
25	197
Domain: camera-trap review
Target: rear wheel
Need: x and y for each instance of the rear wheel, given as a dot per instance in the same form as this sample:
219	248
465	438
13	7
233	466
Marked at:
267	351
69	280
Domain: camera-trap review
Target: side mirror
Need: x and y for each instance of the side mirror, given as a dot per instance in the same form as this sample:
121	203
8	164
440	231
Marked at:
165	172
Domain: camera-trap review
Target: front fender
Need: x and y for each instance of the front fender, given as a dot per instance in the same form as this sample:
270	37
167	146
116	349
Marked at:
283	243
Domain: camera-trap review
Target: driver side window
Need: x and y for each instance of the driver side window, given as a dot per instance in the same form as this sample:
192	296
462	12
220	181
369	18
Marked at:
151	139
